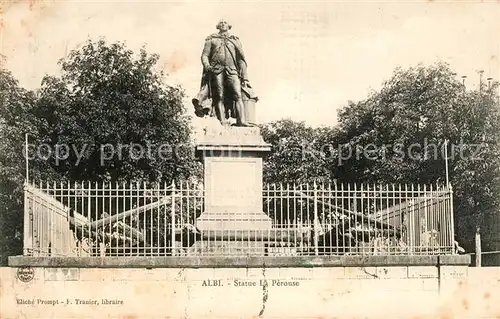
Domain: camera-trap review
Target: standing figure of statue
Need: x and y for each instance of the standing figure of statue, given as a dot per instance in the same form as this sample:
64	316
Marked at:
224	81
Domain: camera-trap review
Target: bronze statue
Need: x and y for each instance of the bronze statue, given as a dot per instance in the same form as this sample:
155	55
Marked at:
224	83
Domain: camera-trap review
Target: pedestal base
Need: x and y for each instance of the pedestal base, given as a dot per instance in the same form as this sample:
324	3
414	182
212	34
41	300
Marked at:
233	221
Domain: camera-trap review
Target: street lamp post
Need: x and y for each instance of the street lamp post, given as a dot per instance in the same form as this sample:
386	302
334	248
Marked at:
489	82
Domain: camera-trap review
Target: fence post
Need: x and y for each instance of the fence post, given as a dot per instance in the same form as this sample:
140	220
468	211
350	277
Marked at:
27	243
478	247
316	222
452	220
172	214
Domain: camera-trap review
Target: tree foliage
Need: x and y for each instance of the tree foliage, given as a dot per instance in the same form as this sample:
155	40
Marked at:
406	124
115	108
295	156
14	102
106	98
16	119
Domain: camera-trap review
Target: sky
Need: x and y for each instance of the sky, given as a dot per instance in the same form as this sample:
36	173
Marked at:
306	60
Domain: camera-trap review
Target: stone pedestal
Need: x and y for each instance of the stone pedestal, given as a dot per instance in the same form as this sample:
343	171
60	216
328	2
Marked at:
229	248
232	159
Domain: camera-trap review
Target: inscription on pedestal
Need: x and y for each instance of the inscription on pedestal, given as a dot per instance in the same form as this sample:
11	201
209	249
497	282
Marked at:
234	183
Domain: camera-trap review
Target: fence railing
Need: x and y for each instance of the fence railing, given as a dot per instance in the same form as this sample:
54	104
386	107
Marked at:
89	219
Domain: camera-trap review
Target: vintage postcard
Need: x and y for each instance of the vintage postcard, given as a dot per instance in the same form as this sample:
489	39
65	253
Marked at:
249	159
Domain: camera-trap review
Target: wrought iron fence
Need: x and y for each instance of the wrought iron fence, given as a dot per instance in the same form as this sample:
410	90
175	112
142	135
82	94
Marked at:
90	219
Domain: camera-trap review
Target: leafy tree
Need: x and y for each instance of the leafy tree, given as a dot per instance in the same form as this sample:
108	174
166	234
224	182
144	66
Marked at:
16	120
298	154
14	101
115	108
400	132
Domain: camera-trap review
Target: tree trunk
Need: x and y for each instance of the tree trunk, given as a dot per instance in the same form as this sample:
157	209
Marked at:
478	247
